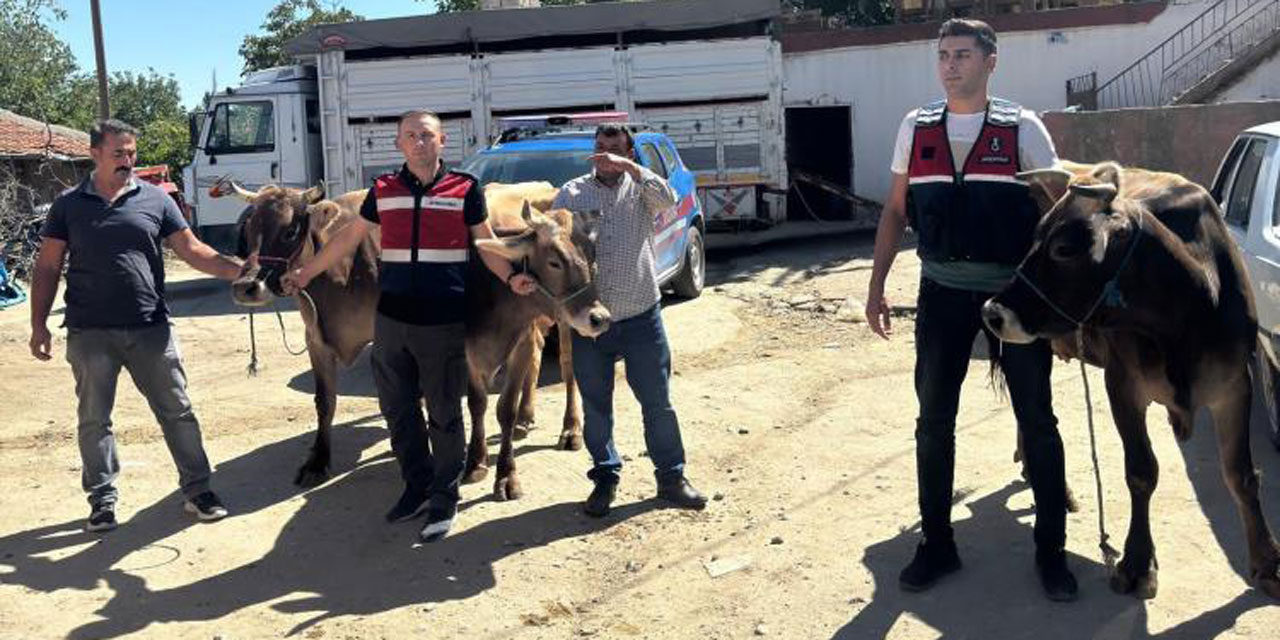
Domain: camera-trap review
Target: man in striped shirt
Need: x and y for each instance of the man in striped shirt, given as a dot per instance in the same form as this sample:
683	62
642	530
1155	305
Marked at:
626	197
428	216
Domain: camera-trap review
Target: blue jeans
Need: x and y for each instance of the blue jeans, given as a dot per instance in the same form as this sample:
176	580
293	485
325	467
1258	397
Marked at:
947	320
641	343
150	354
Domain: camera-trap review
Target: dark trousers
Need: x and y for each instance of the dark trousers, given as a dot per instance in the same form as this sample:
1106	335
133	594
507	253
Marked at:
947	320
641	342
412	363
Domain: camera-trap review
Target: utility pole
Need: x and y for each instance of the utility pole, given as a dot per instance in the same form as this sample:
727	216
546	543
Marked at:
104	98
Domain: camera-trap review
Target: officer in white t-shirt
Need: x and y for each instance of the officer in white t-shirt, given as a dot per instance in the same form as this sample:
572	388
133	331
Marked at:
955	168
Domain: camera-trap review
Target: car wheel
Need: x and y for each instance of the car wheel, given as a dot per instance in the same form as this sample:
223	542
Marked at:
1268	384
688	284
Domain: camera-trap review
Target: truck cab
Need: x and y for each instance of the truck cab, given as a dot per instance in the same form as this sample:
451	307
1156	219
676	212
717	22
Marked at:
555	148
266	131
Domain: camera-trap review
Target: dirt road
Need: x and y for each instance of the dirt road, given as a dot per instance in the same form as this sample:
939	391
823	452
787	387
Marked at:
796	419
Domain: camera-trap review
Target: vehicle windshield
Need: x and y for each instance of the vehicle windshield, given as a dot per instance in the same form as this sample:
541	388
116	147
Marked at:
556	167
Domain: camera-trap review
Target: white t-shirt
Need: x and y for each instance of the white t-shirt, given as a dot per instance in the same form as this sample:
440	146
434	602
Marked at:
1035	147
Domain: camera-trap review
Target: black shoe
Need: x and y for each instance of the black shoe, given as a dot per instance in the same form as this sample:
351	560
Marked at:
102	518
601	498
439	521
207	507
1058	582
412	503
679	492
933	560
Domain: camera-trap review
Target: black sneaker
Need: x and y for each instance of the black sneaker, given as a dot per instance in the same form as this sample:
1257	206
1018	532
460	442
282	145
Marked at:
102	518
601	499
1058	582
439	521
412	503
933	560
679	492
207	507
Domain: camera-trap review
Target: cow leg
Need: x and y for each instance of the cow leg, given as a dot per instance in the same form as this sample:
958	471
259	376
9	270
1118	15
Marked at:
524	418
1231	422
477	450
324	368
571	434
1136	573
507	485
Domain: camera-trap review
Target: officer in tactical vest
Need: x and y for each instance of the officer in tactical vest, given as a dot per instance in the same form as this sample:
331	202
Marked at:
955	182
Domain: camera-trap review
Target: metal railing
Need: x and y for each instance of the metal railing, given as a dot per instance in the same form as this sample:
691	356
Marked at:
1209	42
1082	92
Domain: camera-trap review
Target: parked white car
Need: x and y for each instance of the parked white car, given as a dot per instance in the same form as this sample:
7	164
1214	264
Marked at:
1247	188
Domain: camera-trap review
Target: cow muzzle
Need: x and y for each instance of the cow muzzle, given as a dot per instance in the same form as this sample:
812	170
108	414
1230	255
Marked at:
591	321
1004	323
249	290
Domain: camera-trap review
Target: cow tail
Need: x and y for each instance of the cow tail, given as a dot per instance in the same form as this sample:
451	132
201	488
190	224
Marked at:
995	374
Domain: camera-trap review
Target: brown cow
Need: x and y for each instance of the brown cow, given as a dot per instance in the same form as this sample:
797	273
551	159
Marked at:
1138	267
285	229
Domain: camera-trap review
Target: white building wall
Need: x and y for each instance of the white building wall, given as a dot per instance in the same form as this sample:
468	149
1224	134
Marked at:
883	82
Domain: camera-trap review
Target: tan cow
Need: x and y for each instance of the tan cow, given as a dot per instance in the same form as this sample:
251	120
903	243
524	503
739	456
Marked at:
286	227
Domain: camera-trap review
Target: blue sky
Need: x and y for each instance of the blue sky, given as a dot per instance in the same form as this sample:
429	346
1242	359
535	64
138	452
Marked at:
189	40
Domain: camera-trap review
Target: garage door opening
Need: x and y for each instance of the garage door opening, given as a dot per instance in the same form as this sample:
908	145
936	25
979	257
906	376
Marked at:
819	149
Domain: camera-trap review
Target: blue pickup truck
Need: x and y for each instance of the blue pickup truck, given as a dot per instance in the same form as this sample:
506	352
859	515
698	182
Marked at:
555	149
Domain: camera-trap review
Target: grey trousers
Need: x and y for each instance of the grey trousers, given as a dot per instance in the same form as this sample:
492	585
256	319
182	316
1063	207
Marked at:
150	355
412	363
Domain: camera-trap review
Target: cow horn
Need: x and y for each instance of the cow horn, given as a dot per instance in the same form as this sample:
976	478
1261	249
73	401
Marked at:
1104	191
241	192
314	194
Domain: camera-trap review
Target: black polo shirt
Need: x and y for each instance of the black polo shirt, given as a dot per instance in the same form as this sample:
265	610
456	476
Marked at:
116	274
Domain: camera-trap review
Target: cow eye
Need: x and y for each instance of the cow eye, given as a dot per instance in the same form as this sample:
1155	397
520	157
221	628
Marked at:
1066	251
555	264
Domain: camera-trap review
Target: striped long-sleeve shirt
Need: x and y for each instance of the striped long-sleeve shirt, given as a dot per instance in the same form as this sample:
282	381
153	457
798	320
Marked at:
625	272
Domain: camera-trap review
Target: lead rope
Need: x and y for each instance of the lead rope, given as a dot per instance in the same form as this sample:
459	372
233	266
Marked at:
1109	553
252	369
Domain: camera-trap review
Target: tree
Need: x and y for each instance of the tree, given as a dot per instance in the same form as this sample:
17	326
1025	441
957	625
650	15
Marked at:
39	77
449	6
859	13
286	21
153	104
142	98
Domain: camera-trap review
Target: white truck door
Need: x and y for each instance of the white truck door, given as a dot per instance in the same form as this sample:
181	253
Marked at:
240	142
1247	196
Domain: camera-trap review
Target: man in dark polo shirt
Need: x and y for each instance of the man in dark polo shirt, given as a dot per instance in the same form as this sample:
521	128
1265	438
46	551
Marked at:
427	215
112	225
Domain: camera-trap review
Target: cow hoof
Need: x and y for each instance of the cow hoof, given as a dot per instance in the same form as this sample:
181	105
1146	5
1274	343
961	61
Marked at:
311	476
1143	587
507	489
570	442
475	475
1268	581
521	430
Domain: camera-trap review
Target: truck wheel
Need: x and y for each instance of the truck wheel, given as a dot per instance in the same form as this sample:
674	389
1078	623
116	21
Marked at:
1268	384
688	284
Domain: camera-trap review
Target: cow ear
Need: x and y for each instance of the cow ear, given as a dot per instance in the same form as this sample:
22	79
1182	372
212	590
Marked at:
526	213
1047	186
323	222
314	194
511	249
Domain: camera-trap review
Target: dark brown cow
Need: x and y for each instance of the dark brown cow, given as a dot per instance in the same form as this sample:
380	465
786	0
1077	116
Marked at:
1138	267
285	229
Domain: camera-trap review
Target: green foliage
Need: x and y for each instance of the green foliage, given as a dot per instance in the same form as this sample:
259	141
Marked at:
286	21
39	77
857	13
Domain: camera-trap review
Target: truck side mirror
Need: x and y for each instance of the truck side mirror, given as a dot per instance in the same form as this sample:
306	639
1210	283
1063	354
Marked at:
193	128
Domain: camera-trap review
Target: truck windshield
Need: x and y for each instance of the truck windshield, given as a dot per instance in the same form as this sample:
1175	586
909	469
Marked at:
556	167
